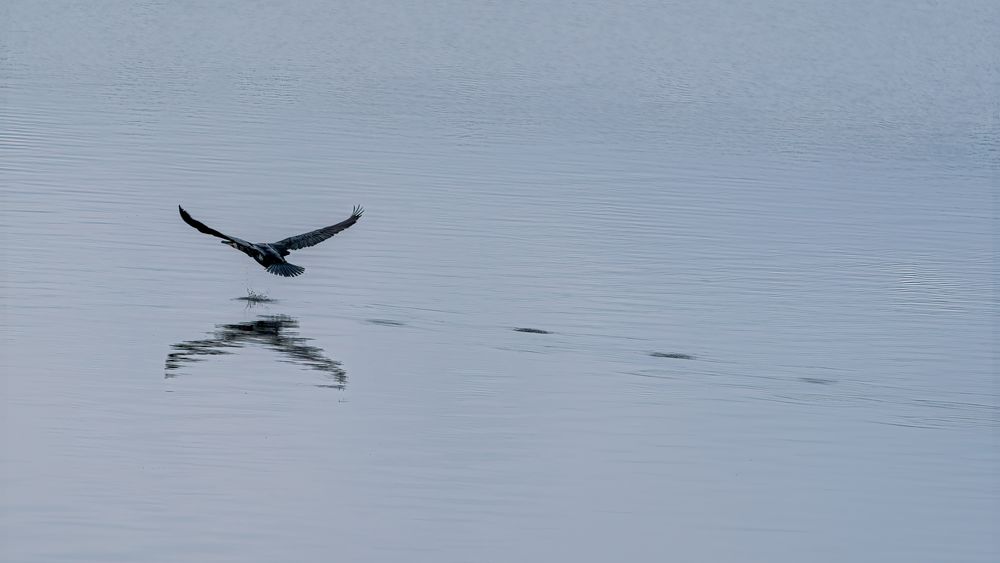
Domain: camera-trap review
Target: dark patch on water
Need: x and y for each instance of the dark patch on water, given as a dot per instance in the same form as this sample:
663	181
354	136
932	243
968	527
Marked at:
532	330
817	380
386	322
673	355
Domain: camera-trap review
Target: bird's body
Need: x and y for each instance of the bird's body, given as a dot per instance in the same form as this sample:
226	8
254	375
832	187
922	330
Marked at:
272	255
269	257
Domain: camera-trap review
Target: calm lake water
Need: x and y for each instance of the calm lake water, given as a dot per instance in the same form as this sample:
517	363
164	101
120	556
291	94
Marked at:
761	238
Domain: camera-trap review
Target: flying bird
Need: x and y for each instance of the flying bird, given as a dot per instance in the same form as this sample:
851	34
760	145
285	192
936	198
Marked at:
272	255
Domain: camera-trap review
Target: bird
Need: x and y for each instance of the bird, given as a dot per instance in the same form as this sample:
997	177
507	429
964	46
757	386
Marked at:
271	255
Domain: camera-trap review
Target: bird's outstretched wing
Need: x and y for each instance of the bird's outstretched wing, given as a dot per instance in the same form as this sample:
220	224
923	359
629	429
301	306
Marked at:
319	235
242	244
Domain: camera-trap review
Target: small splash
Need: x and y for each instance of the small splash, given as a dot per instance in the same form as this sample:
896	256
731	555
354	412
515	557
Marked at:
253	298
532	330
386	322
673	355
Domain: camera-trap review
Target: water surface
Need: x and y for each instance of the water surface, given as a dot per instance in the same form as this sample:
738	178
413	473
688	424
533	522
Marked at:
753	246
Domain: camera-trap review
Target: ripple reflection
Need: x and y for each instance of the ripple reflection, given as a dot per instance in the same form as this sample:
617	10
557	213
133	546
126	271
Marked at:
277	332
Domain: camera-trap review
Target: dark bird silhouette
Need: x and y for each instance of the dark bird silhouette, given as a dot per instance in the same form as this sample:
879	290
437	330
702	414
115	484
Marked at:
272	255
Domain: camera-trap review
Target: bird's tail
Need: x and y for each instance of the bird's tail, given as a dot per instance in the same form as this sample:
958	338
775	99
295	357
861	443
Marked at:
285	269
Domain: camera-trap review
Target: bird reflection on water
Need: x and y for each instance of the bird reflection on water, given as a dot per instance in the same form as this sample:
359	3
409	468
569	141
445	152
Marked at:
277	332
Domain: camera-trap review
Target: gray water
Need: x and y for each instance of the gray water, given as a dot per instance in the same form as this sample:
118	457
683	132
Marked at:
761	238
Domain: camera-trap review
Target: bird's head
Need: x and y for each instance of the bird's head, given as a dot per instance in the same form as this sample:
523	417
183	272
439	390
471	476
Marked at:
228	243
